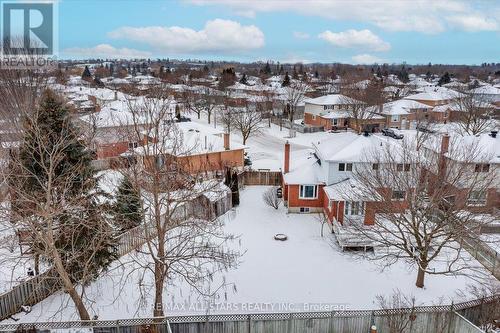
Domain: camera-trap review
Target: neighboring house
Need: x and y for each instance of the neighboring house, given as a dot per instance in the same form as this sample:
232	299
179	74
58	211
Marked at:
322	180
488	93
198	149
403	113
439	99
485	163
335	112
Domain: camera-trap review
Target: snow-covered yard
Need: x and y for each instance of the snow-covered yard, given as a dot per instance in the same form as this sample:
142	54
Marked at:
305	269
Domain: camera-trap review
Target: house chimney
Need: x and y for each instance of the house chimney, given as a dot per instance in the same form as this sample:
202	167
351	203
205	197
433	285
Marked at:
226	141
287	157
373	329
445	143
116	95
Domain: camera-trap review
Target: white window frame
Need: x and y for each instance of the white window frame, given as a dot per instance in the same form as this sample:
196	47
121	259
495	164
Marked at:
395	118
354	208
302	191
304	210
398	198
347	167
477	198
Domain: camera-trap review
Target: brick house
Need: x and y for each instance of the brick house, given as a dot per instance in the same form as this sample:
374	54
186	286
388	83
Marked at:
334	112
204	149
485	163
322	180
403	113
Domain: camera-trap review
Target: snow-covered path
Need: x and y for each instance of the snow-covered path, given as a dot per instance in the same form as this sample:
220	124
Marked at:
305	271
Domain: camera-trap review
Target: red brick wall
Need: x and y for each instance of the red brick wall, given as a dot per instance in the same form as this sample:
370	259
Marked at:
295	201
111	150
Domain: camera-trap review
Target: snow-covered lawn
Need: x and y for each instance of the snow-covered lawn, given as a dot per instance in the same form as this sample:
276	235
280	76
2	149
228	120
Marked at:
305	269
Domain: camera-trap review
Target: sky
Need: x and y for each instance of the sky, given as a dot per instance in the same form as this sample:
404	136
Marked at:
355	31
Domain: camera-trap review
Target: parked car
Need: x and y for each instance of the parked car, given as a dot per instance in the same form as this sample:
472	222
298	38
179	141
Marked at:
393	133
425	129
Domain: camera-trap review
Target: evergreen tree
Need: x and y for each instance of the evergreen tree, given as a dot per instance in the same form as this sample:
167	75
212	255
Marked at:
127	209
286	80
267	69
80	223
86	75
243	79
444	79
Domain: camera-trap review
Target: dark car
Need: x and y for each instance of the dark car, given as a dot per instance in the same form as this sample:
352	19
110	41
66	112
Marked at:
393	133
425	129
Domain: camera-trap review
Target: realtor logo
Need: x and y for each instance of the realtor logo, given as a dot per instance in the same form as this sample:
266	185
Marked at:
28	32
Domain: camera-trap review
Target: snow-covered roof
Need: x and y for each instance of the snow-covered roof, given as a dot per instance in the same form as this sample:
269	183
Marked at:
333	99
351	147
486	90
304	168
485	147
432	96
191	139
348	189
402	107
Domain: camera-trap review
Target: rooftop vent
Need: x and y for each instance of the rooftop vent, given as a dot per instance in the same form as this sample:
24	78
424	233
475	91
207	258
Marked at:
494	133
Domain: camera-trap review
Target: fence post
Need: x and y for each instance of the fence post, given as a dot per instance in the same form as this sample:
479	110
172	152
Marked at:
249	323
450	317
117	326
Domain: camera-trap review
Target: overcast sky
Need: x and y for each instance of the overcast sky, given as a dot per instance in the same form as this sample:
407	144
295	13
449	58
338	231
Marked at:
358	31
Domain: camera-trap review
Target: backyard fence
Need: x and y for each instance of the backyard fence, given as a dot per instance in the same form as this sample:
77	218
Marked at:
459	318
271	178
483	253
36	289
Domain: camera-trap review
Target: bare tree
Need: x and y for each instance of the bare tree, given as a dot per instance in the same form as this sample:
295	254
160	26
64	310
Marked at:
422	199
294	95
359	100
53	201
398	322
473	112
247	121
182	240
270	197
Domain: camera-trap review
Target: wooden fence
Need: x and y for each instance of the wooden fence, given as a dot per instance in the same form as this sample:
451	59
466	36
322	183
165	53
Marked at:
483	253
36	289
459	318
271	178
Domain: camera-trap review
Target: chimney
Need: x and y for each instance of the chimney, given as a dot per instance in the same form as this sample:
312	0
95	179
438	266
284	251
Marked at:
287	157
116	95
373	329
445	143
226	141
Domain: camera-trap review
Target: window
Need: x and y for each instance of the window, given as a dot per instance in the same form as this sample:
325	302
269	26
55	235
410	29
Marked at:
354	208
482	168
133	145
345	166
304	209
334	122
375	166
308	192
476	198
398	195
395	118
403	167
